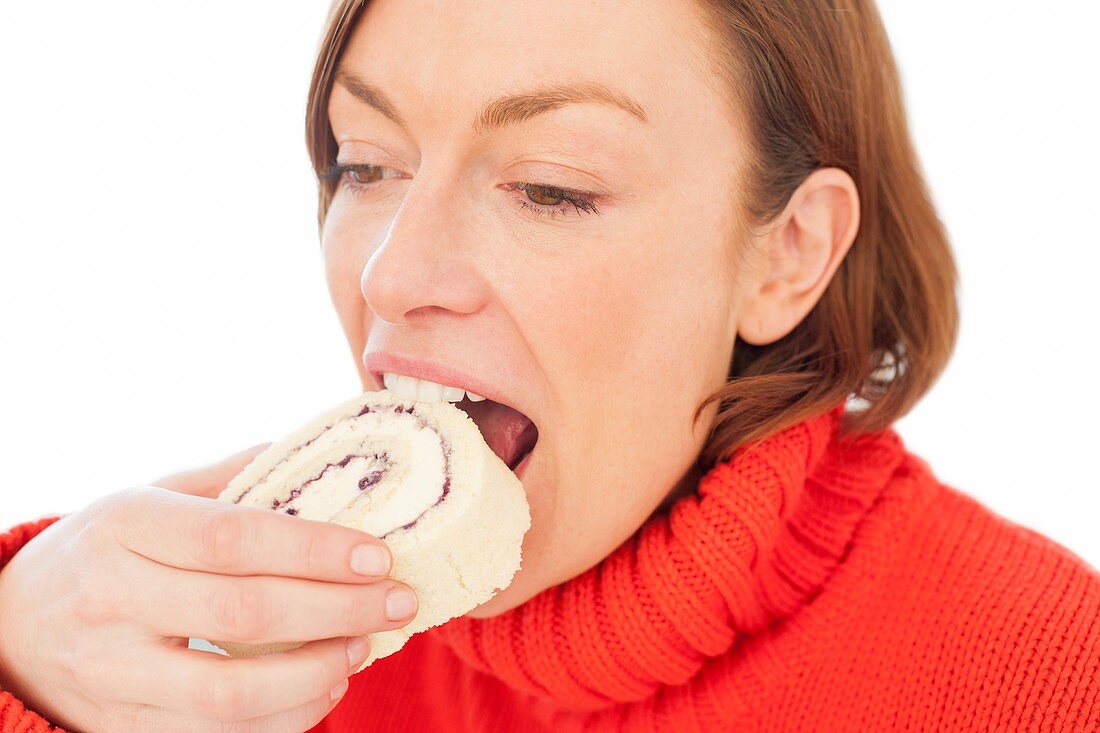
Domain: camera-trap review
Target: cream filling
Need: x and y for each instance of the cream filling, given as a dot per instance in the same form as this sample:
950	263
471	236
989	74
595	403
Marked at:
408	456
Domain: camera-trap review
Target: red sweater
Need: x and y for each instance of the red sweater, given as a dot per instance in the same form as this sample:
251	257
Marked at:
810	584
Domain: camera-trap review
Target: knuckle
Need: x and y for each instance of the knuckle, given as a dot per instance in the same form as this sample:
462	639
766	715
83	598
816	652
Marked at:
259	725
116	505
80	656
92	601
325	668
91	664
228	726
359	611
131	717
317	711
107	511
313	552
110	518
330	673
222	698
220	536
241	611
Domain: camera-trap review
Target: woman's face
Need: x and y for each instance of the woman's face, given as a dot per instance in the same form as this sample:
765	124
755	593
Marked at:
607	327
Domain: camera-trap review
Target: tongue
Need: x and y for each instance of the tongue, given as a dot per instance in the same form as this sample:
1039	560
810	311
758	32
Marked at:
509	433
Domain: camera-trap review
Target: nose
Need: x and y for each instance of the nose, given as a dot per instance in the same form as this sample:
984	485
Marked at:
425	264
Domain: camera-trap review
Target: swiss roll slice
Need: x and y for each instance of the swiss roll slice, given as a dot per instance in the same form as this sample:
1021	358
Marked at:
417	475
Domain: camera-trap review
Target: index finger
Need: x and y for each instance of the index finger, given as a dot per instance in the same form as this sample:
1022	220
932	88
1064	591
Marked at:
194	533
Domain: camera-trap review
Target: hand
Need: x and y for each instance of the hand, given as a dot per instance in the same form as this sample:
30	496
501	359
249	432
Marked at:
96	611
210	480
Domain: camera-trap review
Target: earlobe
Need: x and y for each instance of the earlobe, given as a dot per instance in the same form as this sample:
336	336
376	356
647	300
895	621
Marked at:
800	252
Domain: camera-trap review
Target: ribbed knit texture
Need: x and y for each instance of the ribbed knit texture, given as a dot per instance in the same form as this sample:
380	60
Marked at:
810	584
14	717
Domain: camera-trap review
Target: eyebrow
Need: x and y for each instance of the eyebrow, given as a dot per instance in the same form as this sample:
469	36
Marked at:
508	109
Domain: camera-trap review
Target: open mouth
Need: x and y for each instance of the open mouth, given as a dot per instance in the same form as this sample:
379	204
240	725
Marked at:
510	434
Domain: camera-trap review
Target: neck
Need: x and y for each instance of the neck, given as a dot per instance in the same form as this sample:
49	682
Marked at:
751	544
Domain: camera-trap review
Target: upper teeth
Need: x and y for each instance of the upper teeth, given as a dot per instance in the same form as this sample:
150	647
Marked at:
411	388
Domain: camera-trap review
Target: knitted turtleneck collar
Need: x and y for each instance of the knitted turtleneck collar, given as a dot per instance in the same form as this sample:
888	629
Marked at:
758	539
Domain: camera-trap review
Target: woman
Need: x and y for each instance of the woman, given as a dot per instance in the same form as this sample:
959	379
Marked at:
691	243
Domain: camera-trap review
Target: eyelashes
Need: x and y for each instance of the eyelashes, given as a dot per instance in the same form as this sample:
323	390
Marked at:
580	201
360	176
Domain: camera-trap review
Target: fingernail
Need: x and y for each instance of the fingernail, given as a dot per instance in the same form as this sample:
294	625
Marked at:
370	560
339	690
358	649
400	603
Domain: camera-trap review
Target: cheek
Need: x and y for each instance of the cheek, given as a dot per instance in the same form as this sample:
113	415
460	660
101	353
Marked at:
586	307
345	252
632	315
636	335
343	288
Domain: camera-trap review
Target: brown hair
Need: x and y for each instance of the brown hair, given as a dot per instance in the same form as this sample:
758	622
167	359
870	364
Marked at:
817	82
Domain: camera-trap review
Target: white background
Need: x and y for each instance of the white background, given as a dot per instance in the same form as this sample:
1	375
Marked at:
162	302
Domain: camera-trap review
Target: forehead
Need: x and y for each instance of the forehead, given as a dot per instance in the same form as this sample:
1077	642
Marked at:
441	60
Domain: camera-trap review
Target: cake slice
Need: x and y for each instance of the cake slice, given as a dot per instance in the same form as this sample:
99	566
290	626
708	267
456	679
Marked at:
417	475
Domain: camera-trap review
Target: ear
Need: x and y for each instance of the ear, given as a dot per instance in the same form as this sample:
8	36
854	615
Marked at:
797	255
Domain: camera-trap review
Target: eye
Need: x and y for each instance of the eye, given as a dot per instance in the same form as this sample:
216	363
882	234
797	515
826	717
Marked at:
549	198
539	199
357	175
554	201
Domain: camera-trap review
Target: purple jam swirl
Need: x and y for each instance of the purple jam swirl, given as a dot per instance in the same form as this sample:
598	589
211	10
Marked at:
367	481
374	476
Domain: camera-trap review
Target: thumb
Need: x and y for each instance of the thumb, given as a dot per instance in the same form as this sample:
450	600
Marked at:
210	480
